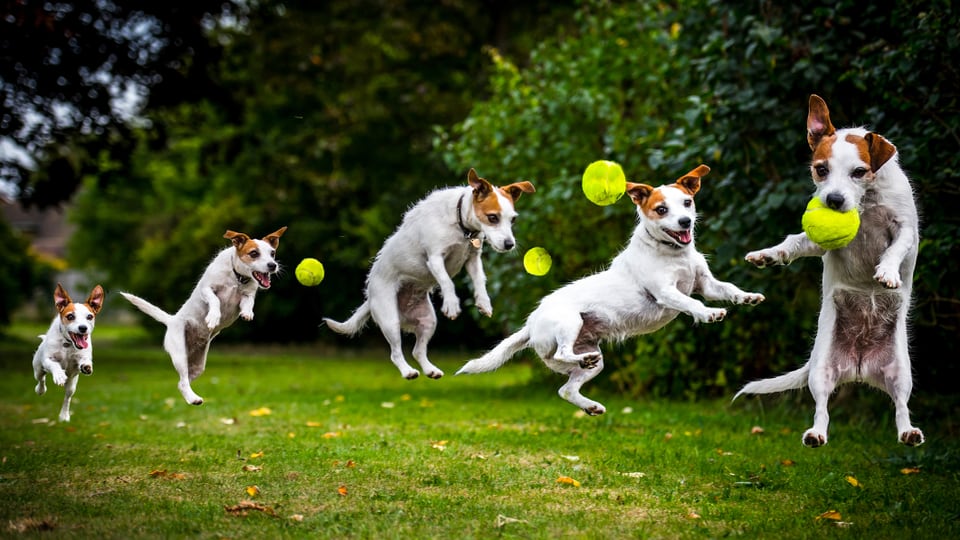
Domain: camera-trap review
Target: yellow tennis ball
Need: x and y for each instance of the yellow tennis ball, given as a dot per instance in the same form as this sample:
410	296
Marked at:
309	272
604	182
828	228
536	261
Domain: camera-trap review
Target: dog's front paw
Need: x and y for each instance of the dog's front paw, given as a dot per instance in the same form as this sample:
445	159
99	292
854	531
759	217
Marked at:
766	257
484	305
59	377
451	307
888	277
212	320
246	315
912	437
710	315
65	416
813	439
750	299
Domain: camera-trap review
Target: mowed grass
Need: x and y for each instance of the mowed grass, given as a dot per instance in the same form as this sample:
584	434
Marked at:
301	442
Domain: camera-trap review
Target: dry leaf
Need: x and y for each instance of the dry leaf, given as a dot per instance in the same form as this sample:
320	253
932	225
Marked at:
262	411
693	515
342	490
787	462
634	474
387	405
405	397
571	458
831	515
331	435
252	491
314	424
257	454
252	468
291	435
756	430
853	482
162	473
228	421
244	507
439	445
910	470
26	525
297	517
350	464
667	436
568	480
503	520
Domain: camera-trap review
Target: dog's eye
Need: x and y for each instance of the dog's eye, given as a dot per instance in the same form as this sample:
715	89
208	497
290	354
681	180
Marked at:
859	172
821	170
273	253
661	210
513	220
493	218
89	317
254	254
71	317
688	203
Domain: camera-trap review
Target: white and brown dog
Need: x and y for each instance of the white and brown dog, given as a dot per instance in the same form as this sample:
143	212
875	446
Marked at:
226	291
646	286
438	237
66	350
862	329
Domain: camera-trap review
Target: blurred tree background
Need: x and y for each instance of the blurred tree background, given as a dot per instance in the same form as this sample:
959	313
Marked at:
333	117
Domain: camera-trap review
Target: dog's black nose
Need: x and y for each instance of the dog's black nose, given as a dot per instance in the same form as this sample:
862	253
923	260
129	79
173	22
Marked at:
82	329
835	201
684	222
508	244
271	266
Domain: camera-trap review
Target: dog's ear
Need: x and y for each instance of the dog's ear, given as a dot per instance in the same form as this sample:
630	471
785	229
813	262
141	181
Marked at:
95	301
881	150
818	121
238	239
690	182
638	192
60	298
518	188
274	238
481	187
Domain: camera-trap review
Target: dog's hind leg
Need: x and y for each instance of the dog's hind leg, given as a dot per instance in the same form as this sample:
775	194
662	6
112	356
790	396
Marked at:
385	311
175	344
69	388
567	331
899	383
424	321
41	375
822	381
578	377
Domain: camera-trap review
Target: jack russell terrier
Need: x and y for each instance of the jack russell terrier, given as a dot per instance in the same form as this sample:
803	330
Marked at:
862	329
226	290
438	237
646	286
66	350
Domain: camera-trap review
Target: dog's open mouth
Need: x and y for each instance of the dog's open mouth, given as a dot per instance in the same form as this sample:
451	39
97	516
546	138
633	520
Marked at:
681	237
262	278
79	340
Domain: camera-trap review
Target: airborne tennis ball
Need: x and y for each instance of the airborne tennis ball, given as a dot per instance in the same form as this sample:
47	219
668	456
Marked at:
828	228
604	182
537	261
309	272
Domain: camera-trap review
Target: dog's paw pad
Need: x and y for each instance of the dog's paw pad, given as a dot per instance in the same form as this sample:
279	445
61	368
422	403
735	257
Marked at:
812	439
411	375
590	361
913	437
595	410
247	316
434	374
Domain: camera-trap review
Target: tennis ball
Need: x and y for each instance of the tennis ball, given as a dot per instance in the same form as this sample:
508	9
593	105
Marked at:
604	182
536	261
309	272
828	228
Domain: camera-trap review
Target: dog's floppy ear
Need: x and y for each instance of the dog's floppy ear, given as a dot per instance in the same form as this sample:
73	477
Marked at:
818	121
274	238
60	298
481	187
638	192
881	150
518	188
690	182
95	301
237	238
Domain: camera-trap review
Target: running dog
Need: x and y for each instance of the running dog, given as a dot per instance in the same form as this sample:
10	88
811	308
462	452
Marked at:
226	290
66	350
646	286
437	237
862	329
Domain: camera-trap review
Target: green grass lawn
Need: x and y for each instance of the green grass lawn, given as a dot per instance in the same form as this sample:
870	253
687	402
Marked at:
301	442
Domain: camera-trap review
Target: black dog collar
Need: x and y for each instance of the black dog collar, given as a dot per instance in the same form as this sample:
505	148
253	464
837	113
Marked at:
243	280
469	234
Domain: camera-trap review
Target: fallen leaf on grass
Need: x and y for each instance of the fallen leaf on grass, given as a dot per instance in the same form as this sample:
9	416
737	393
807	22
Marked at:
693	515
331	435
634	474
262	411
162	473
853	482
228	421
314	424
568	480
787	462
257	454
342	490
296	517
252	491
439	445
26	525
245	507
831	515
571	458
252	468
910	470
722	452
503	520
756	430
387	405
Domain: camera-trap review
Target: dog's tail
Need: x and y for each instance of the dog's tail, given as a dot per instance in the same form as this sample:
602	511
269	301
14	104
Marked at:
148	308
788	381
499	355
354	324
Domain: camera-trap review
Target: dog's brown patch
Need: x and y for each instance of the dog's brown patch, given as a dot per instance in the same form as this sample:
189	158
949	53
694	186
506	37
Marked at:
651	202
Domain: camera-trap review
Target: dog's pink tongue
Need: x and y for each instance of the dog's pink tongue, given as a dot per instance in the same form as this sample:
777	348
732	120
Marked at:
685	237
80	340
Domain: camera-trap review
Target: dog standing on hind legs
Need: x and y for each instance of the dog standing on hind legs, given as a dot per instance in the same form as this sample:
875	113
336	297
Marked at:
226	291
437	237
66	350
862	327
646	286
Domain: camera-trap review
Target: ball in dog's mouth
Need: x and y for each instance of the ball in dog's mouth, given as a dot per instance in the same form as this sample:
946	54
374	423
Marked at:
262	278
683	237
79	340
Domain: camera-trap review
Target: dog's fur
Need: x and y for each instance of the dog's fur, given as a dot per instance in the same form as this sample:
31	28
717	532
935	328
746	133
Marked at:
646	286
226	290
437	237
862	329
66	350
